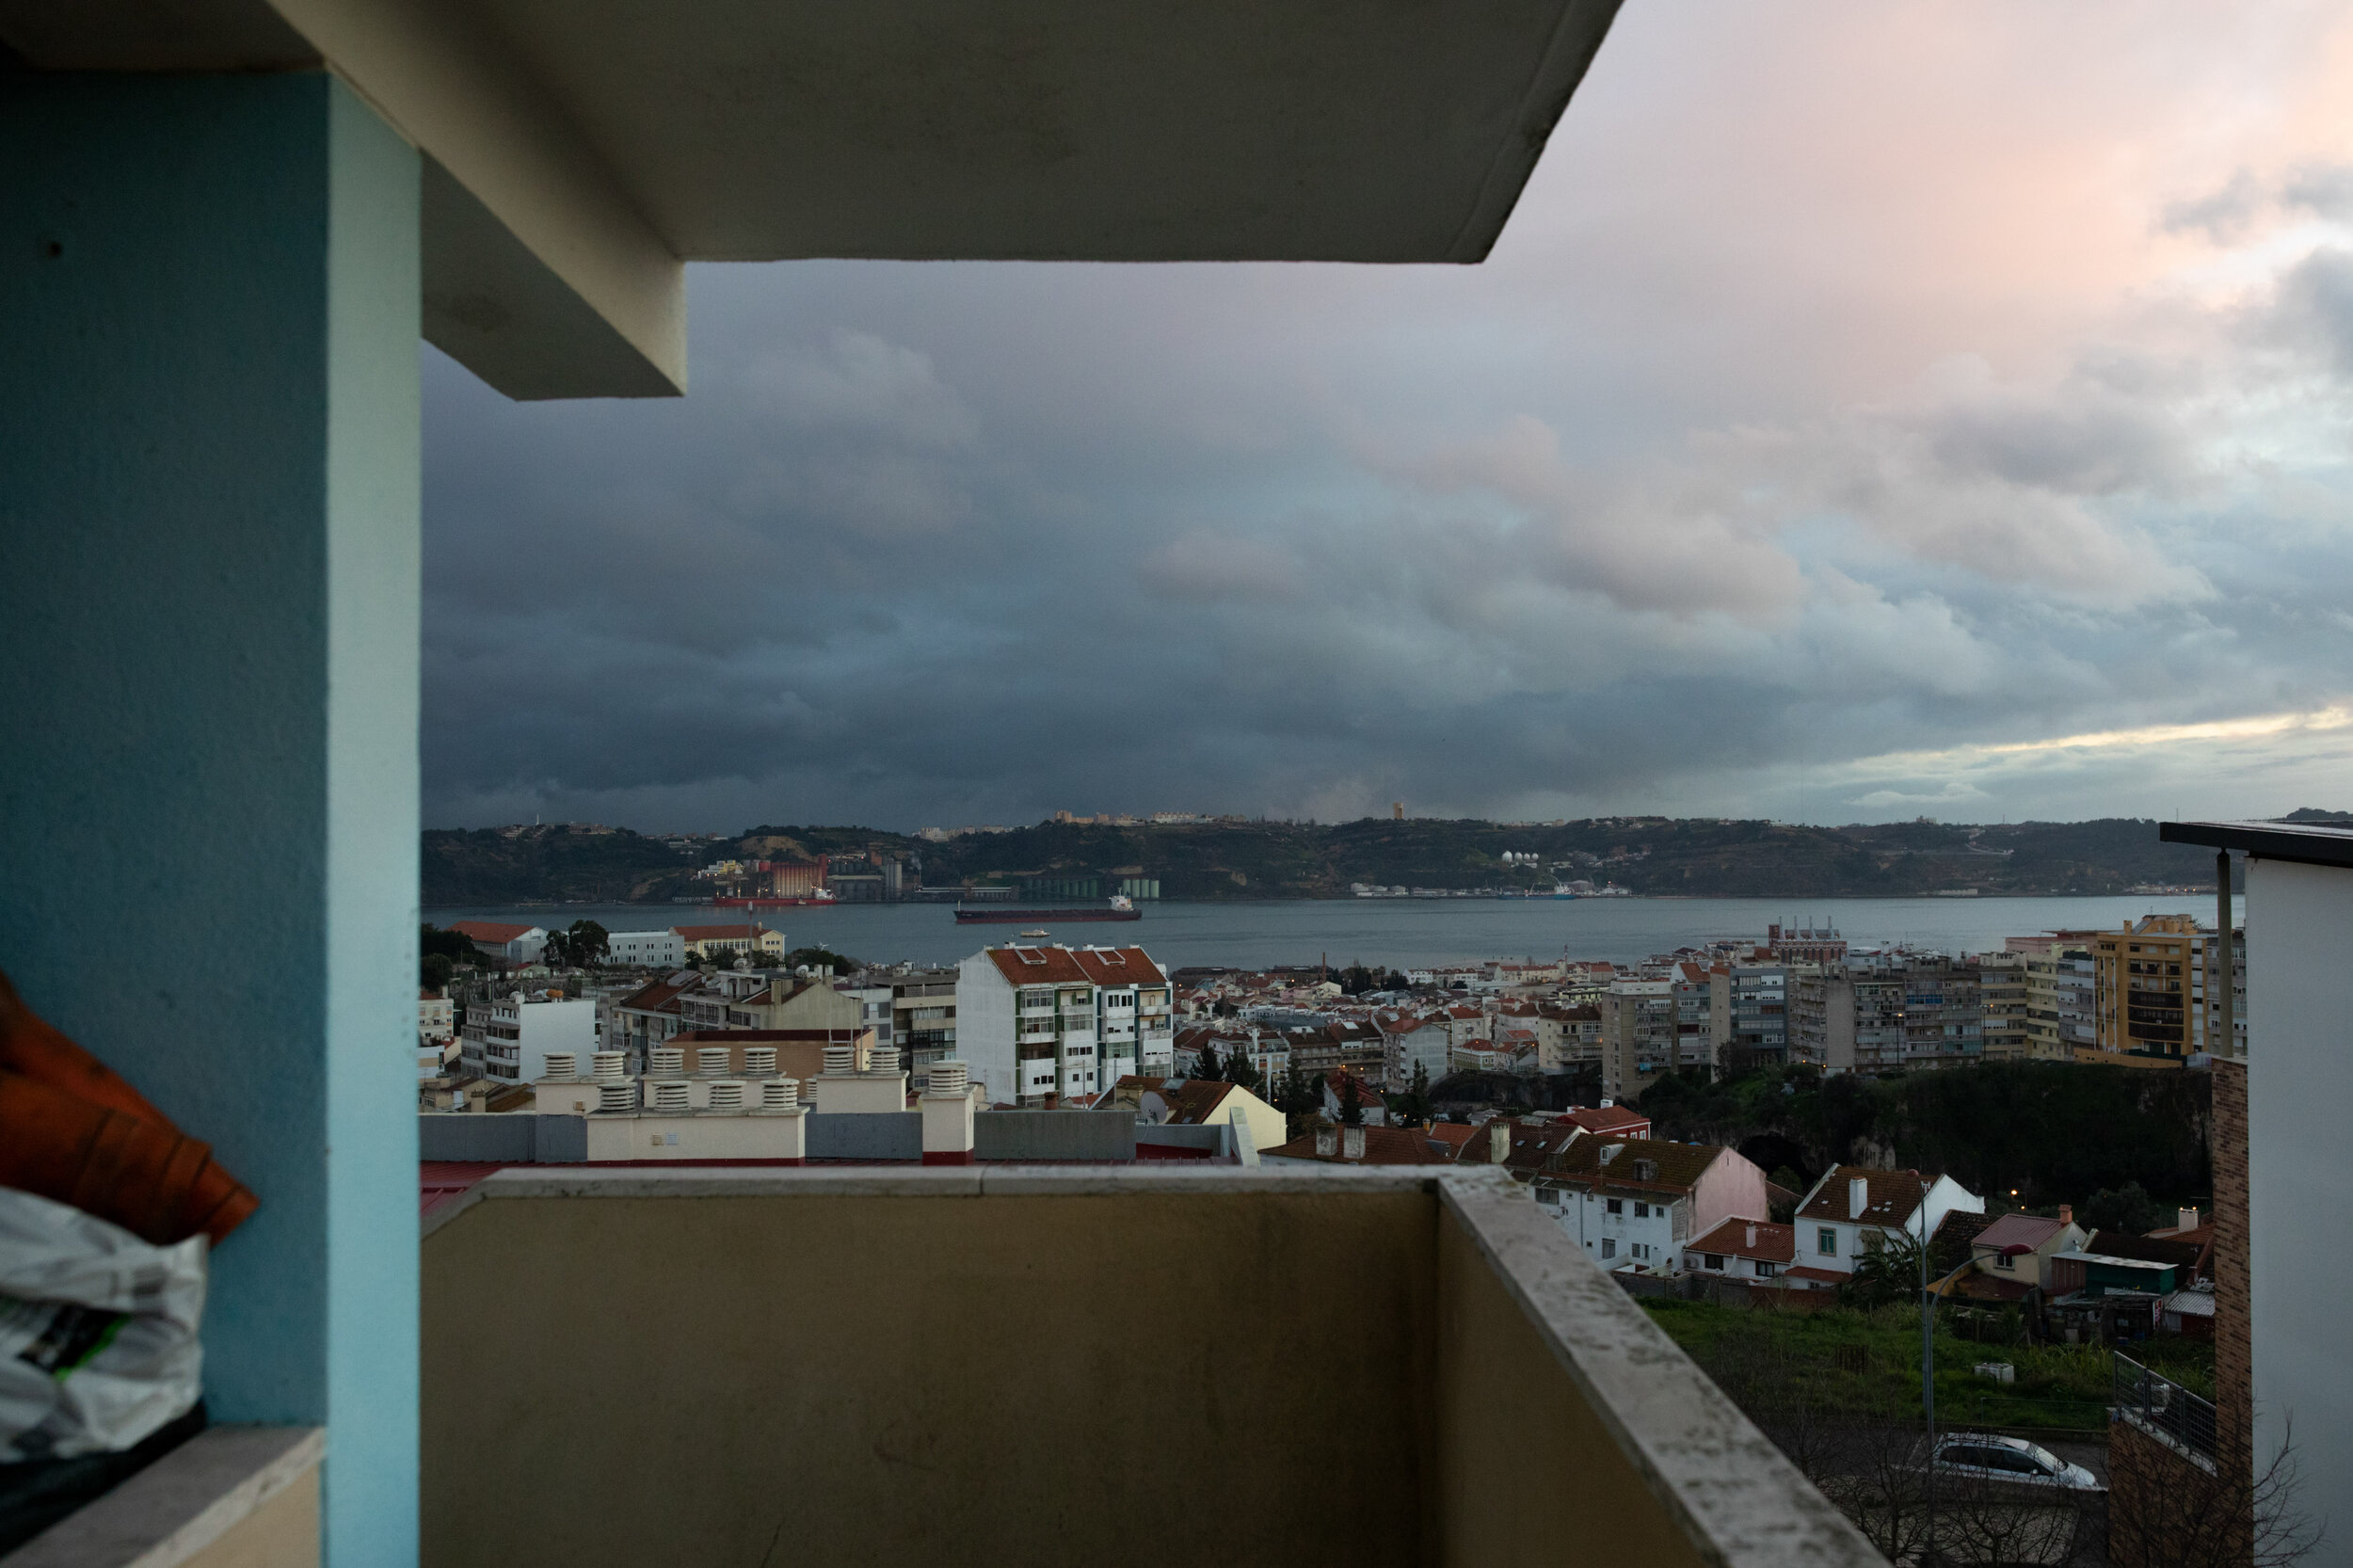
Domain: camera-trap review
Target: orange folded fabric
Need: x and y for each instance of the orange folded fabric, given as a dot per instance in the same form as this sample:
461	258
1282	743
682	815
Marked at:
72	1129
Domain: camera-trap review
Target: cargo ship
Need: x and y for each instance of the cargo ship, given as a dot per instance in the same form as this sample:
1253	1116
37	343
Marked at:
822	897
1119	908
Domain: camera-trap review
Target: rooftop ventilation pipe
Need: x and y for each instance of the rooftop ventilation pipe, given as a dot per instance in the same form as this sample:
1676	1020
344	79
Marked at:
563	1064
840	1059
759	1061
612	1066
728	1095
882	1059
617	1094
666	1059
713	1059
781	1094
669	1094
950	1079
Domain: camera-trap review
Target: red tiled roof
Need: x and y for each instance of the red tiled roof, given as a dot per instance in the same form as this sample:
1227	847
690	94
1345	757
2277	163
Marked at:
1890	1196
1774	1243
1814	1276
1384	1145
1677	1167
1606	1118
1119	967
1192	1102
1028	966
1455	1133
2018	1230
490	931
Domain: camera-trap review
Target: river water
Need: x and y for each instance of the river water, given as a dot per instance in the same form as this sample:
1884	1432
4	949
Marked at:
1396	932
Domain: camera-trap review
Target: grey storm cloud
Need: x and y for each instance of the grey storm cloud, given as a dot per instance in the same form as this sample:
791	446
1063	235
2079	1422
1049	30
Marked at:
1625	517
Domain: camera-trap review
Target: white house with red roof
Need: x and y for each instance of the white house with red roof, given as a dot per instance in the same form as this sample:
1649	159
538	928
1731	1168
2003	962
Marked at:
520	944
1852	1207
1036	1025
1742	1248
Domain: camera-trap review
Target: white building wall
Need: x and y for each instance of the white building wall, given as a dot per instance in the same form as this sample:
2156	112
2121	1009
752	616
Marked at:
652	948
984	1030
2299	1169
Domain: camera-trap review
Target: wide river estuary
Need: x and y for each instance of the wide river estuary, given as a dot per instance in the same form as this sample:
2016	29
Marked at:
1397	932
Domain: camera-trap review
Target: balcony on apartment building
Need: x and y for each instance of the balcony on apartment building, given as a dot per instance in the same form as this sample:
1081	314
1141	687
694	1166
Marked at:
1080	1366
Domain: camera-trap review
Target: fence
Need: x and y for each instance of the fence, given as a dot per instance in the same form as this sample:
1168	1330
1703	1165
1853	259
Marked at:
2163	1407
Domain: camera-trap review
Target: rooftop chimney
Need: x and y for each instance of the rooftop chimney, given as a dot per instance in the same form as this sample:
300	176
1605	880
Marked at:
759	1061
2067	1213
947	1108
666	1059
1327	1143
1352	1143
1752	1241
840	1059
2186	1219
882	1059
612	1066
616	1095
779	1093
712	1058
1858	1197
1498	1141
728	1095
564	1063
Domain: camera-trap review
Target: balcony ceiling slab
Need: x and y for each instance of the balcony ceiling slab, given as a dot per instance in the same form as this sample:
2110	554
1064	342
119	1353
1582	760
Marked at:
580	151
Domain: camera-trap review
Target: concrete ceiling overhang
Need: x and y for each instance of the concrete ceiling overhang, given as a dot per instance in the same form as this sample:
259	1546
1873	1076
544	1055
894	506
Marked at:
578	152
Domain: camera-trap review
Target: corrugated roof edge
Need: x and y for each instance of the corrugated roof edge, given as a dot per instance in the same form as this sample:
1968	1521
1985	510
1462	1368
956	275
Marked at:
2305	843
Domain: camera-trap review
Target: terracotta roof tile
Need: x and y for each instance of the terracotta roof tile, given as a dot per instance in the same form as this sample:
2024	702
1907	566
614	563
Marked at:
1774	1243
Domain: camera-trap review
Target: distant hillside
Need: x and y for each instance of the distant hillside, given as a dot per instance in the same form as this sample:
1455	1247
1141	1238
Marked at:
1705	857
531	865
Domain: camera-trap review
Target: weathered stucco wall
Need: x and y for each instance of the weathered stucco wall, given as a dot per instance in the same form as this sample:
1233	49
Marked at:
1048	1380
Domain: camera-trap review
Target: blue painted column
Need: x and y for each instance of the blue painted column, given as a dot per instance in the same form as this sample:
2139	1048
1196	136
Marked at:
208	678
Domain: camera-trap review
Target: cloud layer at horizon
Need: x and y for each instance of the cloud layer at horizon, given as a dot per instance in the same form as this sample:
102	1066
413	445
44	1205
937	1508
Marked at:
1857	404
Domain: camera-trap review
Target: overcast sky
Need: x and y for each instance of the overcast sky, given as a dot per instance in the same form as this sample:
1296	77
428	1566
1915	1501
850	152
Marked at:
1868	413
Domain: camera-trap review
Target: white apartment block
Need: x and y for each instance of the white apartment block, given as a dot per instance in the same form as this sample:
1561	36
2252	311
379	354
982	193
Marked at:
1034	1021
651	950
507	1039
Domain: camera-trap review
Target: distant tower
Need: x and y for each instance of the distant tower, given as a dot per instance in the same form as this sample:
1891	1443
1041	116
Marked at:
1397	810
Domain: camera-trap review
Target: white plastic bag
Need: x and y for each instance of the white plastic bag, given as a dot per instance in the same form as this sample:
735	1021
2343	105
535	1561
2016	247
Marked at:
98	1331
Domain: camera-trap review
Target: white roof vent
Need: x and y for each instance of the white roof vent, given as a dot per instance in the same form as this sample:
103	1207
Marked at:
612	1066
840	1059
563	1064
666	1059
713	1059
951	1079
882	1059
668	1094
728	1094
781	1094
759	1061
619	1095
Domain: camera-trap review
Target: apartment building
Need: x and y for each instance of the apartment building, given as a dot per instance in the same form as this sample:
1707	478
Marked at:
648	950
2002	1000
1695	990
1639	1021
1844	1020
1050	1023
1751	1011
506	1039
1944	1016
2061	1013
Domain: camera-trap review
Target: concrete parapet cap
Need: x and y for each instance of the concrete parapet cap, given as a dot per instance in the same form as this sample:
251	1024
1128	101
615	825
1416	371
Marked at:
174	1509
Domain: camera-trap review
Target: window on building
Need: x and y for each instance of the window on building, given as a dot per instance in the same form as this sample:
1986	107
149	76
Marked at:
1617	1206
1826	1242
1641	1210
1766	1271
2002	1261
1712	1260
1608	1248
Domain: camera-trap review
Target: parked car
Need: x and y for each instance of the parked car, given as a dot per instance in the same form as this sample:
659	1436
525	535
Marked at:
1984	1456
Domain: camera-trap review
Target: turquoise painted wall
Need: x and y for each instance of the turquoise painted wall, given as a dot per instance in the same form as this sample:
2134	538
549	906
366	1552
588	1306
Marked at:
209	596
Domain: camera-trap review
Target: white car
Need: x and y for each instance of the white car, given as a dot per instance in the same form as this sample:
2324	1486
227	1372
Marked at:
1984	1456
